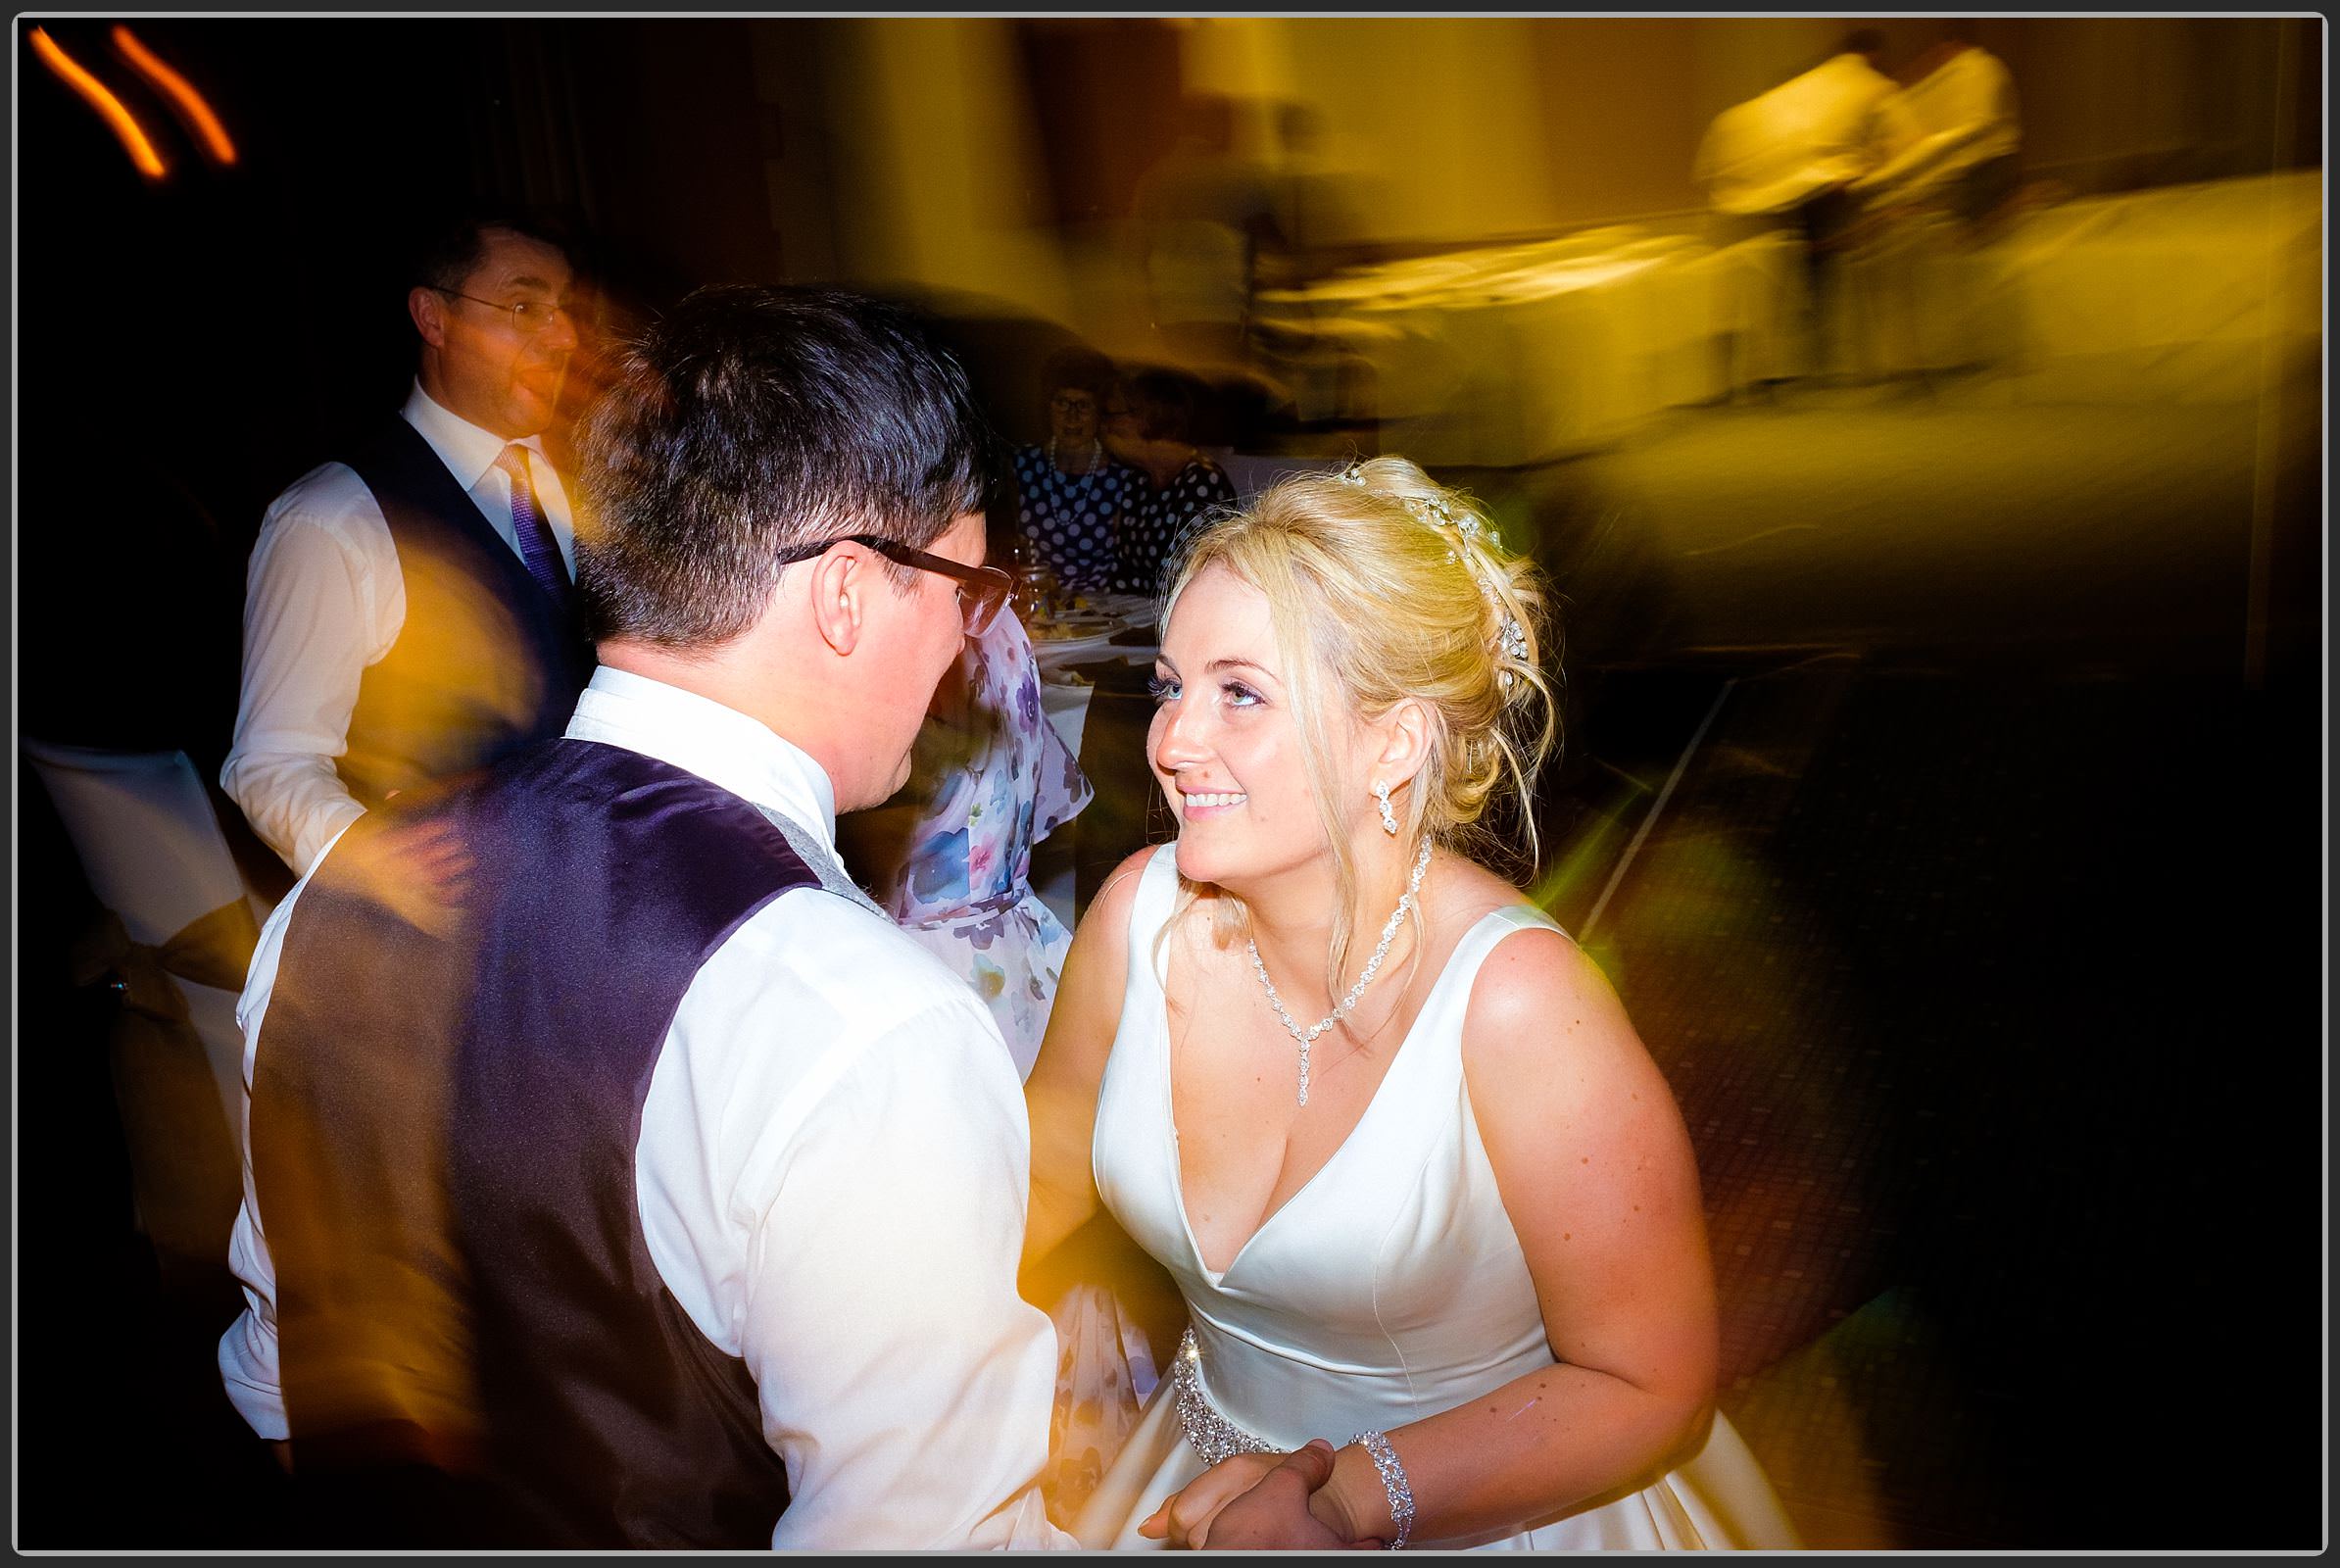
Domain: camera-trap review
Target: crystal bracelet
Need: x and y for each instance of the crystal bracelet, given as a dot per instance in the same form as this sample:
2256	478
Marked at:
1401	1495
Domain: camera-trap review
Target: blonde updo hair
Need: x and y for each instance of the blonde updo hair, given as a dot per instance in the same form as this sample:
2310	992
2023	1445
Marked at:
1383	586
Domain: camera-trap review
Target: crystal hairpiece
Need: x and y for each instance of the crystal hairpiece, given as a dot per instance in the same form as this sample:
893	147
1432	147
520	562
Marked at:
1430	510
1434	512
1513	643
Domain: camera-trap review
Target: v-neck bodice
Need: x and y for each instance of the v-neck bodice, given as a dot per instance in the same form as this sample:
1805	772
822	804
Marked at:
1389	1289
1390	1285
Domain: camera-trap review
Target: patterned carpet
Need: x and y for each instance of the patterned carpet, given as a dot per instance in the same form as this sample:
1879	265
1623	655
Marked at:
1920	951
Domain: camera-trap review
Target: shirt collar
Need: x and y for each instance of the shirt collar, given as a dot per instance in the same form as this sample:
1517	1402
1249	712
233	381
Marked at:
702	736
468	451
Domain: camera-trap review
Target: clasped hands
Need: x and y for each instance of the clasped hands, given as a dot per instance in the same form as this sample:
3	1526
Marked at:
1259	1501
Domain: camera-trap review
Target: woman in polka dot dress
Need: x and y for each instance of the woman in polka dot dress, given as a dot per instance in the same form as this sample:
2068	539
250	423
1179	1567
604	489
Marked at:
1072	499
1182	489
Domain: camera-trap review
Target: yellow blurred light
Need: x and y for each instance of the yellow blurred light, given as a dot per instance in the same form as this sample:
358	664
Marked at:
142	151
198	112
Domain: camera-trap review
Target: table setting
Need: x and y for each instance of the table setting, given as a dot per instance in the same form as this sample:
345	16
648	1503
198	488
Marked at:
1069	629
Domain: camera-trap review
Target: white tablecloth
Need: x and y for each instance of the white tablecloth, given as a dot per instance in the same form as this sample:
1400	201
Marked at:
1522	354
2172	295
1526	353
1067	705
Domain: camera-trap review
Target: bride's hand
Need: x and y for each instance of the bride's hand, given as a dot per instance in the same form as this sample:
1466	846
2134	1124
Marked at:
1268	1494
1185	1517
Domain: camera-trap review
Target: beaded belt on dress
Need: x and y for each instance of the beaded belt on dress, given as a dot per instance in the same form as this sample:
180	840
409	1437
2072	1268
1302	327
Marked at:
1211	1434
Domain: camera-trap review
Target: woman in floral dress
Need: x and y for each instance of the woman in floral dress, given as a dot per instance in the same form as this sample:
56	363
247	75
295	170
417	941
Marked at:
951	861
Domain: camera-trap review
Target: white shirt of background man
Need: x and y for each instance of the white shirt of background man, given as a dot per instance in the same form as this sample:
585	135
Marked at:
324	600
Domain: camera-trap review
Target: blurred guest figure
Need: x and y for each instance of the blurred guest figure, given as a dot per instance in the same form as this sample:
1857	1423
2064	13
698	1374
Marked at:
1792	155
1204	218
1956	133
730	1173
410	612
1072	497
1183	488
1314	213
951	857
1118	418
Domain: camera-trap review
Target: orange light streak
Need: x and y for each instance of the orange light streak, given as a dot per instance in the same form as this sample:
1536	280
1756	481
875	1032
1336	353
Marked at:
198	114
142	152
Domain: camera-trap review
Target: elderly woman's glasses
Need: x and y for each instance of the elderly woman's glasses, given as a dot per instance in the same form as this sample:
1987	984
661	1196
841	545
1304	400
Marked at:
982	590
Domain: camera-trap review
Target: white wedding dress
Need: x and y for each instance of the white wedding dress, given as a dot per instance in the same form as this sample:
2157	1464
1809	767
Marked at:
1389	1289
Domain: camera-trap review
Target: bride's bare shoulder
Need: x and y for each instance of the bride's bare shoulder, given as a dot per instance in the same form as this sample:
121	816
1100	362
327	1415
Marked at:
1106	919
1472	892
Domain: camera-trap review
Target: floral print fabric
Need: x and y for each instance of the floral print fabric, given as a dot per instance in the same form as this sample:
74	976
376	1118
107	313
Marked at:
1105	1374
990	778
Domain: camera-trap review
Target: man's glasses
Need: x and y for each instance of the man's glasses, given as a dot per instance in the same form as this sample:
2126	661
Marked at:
982	590
530	317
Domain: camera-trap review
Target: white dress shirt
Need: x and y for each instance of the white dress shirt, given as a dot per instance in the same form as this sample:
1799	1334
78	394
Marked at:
1804	136
1960	115
831	1176
325	600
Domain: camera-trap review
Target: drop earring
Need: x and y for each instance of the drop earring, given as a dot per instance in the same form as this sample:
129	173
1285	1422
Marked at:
1381	792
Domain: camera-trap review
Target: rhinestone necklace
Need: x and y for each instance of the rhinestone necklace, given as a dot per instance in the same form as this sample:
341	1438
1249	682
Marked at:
1381	950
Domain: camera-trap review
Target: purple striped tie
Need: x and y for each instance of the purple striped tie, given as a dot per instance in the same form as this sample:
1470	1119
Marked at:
540	552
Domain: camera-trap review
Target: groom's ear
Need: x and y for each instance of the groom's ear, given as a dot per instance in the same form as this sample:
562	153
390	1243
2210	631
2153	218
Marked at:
836	585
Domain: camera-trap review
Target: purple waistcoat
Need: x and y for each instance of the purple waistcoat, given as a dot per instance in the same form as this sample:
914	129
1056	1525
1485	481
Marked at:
486	662
503	1135
612	877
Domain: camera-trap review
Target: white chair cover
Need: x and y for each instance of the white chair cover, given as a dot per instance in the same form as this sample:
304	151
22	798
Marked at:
152	849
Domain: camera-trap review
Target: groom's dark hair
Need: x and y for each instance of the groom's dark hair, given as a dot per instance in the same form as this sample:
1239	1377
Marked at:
750	419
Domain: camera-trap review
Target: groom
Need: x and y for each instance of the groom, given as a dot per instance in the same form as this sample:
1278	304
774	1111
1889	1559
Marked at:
736	1171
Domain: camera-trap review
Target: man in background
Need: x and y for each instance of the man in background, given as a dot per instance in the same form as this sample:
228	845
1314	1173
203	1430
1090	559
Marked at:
1792	155
411	610
1956	132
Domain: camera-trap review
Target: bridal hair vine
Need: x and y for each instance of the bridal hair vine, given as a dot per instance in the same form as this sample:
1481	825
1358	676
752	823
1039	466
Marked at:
1430	510
1511	638
1434	511
1515	648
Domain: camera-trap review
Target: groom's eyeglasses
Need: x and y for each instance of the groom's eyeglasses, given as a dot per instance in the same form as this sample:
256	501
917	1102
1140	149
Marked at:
982	590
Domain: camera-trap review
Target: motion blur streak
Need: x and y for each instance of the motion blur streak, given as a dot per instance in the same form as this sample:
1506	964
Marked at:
142	151
199	117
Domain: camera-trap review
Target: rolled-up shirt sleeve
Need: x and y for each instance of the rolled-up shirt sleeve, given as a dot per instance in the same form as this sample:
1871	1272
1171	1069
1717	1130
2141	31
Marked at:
838	1200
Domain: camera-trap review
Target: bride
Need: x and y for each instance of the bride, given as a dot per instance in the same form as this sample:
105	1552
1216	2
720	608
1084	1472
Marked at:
1426	1198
